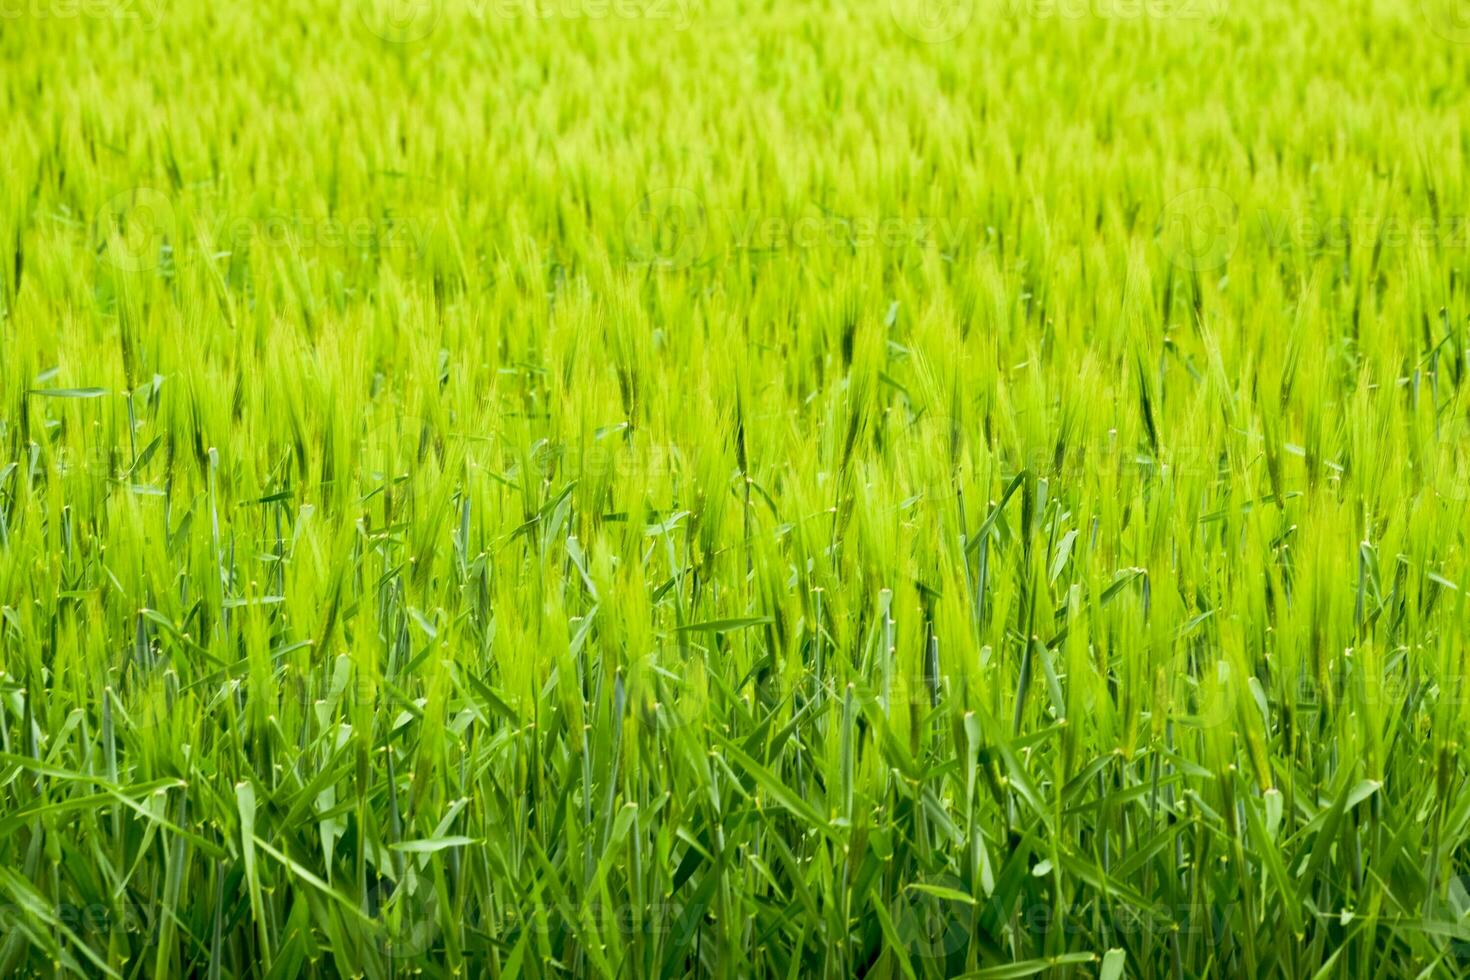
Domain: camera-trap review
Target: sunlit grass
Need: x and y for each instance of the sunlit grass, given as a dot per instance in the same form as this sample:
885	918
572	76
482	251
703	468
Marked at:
691	487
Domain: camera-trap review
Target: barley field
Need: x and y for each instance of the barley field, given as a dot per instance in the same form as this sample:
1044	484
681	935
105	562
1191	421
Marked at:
725	488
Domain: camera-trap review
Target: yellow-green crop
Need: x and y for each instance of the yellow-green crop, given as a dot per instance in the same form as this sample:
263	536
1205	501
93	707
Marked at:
632	488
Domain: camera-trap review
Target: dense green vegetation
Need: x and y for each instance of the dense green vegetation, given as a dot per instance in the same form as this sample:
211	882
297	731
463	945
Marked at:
695	487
